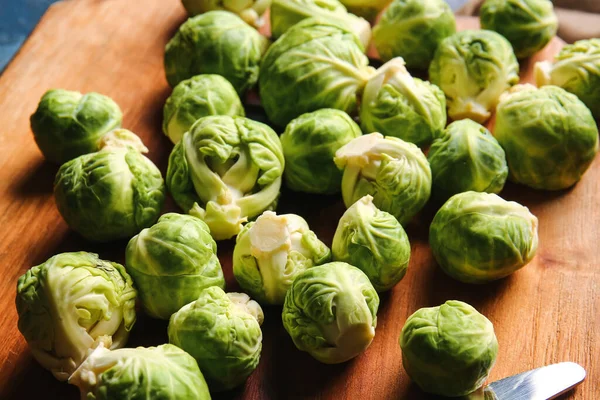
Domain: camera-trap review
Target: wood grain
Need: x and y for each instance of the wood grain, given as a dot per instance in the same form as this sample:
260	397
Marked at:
545	313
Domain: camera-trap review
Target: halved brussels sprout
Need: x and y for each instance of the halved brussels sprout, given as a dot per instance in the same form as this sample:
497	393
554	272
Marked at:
67	124
309	145
577	70
314	65
466	157
529	25
222	332
331	312
217	42
413	29
448	350
365	8
142	373
374	241
480	237
272	251
474	68
396	104
197	97
549	136
226	170
250	11
71	303
172	262
396	173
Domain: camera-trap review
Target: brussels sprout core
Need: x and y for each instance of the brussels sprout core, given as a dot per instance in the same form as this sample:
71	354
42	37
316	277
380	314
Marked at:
245	304
122	138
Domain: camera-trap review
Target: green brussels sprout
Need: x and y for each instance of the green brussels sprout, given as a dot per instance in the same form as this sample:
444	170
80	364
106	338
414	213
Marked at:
314	65
71	303
529	25
448	350
68	124
217	42
198	97
331	312
163	373
231	166
172	262
309	145
396	104
222	332
549	136
480	237
466	158
250	11
474	68
365	8
272	251
111	194
287	13
374	241
413	29
396	173
577	70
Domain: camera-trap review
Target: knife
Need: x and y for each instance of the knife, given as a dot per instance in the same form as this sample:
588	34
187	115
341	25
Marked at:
543	383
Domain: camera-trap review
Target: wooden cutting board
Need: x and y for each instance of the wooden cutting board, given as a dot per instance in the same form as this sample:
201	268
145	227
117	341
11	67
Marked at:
545	313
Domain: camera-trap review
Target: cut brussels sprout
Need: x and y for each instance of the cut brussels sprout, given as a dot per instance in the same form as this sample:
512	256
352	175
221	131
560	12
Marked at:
217	42
309	145
448	350
331	312
198	97
577	70
394	172
314	65
480	237
474	68
71	303
365	8
143	373
68	124
549	136
226	170
251	11
172	262
396	104
222	332
374	241
529	25
413	29
466	158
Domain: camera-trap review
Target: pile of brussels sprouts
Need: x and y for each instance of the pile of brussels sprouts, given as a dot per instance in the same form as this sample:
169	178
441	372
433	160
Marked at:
380	137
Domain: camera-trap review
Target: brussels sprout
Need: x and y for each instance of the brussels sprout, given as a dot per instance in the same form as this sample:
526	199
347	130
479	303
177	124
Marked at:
222	332
69	304
172	262
68	124
165	372
413	29
480	237
549	136
374	241
396	104
217	42
271	252
577	70
314	65
331	312
466	158
527	24
198	97
287	13
250	11
474	68
232	166
365	8
394	172
448	350
309	145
